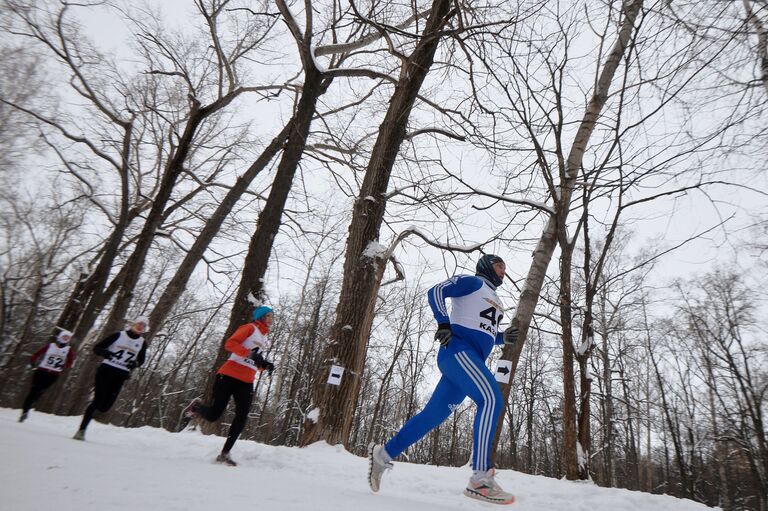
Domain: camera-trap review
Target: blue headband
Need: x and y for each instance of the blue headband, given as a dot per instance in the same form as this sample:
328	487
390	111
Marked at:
261	311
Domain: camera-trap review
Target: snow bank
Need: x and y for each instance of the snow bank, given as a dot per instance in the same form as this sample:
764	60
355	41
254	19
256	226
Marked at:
152	469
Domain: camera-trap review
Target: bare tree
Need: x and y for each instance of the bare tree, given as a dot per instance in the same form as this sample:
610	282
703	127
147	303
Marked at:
720	316
224	91
555	229
362	270
109	142
37	247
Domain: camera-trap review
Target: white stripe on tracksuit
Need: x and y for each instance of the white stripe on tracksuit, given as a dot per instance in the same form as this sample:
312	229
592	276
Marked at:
483	434
439	298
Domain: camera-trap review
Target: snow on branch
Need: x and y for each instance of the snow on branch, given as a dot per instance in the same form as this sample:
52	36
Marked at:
330	49
585	345
318	65
418	232
313	415
376	250
251	299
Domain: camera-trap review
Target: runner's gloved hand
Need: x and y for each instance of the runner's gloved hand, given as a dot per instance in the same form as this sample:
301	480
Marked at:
443	334
510	334
255	355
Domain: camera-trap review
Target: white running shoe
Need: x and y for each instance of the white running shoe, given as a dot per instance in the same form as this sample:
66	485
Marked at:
378	463
189	413
483	486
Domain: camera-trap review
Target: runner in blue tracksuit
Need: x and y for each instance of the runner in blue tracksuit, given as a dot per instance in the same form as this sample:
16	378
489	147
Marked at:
467	335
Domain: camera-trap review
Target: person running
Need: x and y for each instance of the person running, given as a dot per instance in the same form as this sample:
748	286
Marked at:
235	379
466	335
48	363
123	352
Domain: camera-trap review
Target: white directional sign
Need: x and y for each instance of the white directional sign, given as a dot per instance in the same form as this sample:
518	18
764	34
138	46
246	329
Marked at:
503	371
334	376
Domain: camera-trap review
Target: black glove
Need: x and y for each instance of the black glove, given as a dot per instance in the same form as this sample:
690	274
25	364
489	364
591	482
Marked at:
510	334
131	364
260	362
107	355
443	334
255	355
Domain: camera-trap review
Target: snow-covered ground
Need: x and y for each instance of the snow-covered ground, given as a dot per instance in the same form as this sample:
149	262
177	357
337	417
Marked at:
145	469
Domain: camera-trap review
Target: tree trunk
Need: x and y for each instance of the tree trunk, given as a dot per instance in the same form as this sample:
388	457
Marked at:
633	459
761	48
529	433
256	261
135	263
383	389
610	471
720	448
584	352
284	367
570	454
674	431
649	461
362	273
25	334
585	410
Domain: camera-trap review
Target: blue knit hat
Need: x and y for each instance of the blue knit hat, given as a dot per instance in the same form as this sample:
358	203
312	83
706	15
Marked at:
261	311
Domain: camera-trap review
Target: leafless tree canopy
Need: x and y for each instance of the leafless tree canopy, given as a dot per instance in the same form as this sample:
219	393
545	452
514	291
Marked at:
336	159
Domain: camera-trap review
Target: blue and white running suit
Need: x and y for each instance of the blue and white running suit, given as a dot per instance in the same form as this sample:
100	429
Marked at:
475	315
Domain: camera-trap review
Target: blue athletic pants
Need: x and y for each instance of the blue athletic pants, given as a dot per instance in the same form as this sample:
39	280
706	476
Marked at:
464	374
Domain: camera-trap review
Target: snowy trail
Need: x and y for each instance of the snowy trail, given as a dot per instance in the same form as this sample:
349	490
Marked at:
151	469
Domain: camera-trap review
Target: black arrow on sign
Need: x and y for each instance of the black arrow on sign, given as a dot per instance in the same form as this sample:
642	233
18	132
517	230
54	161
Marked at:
503	370
334	375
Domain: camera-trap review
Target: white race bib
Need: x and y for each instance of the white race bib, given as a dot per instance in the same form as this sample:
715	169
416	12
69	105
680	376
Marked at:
124	350
55	358
481	310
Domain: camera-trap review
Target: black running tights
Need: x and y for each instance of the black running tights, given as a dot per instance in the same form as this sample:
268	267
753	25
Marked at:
41	380
109	382
223	388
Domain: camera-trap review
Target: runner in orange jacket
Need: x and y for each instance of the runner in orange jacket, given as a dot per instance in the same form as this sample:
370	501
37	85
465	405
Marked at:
235	378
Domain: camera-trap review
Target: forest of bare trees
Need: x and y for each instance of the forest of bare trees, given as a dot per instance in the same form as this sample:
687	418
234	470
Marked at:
186	161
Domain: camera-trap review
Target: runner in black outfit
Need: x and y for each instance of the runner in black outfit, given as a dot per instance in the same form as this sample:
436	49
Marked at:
123	352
